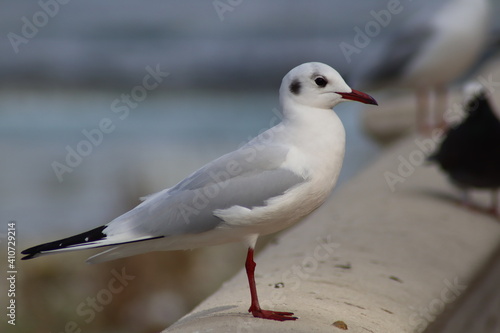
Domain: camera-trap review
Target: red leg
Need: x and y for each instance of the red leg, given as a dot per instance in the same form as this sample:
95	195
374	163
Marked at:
423	106
441	107
255	307
495	209
467	202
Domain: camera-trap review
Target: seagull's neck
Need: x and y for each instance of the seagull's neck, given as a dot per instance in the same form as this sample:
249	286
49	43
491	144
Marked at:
316	129
317	140
309	117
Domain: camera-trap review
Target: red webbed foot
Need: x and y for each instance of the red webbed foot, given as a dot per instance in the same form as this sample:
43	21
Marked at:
273	315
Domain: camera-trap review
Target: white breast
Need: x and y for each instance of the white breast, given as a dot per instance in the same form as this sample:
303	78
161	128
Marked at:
316	152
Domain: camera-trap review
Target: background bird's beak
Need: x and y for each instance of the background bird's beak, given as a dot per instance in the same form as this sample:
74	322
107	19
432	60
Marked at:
358	96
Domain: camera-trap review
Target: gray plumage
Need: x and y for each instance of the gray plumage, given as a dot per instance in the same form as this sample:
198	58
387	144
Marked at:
398	52
247	177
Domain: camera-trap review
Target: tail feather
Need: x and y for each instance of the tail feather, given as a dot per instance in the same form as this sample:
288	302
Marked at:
432	158
85	237
90	239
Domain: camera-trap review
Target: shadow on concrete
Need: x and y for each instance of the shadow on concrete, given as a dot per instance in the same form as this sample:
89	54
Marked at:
451	199
212	312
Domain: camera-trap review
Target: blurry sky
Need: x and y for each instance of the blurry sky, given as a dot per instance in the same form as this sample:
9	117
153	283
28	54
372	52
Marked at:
202	43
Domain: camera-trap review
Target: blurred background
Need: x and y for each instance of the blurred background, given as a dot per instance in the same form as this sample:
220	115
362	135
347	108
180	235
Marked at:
67	67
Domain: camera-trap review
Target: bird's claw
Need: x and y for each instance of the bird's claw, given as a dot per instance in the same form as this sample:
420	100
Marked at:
273	315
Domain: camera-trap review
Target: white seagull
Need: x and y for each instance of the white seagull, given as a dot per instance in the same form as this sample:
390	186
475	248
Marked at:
271	183
428	52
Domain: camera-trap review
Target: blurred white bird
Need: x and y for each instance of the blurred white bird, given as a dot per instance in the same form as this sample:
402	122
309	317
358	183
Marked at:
427	53
269	184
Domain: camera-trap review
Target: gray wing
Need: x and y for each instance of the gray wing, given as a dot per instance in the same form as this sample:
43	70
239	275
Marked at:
247	177
402	50
394	55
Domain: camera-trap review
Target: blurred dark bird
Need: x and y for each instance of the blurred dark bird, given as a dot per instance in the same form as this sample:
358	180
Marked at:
470	152
429	51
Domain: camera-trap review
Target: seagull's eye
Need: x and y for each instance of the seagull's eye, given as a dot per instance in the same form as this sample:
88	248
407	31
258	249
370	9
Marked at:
321	81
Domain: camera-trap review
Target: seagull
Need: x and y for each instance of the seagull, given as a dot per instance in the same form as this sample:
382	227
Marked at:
428	52
470	152
268	184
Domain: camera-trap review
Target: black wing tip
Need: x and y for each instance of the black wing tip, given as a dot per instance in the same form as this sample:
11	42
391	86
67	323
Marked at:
432	158
85	237
28	255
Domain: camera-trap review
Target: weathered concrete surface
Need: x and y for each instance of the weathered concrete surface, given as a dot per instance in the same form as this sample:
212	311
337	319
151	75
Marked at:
478	309
376	259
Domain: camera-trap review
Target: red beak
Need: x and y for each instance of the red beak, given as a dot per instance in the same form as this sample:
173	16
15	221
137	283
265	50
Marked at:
358	96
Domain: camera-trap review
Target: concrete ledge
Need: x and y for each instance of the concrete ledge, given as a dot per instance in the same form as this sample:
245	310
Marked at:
374	259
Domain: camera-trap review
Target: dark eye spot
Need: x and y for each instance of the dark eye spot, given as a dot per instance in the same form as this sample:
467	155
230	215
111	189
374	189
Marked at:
321	81
295	87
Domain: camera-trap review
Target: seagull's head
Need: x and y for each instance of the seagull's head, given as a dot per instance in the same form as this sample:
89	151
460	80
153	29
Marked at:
318	85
